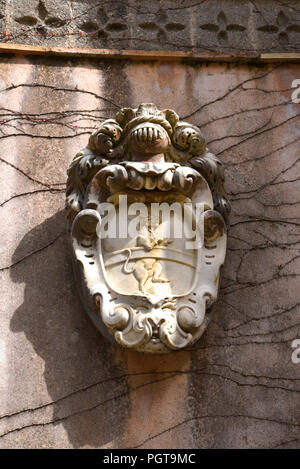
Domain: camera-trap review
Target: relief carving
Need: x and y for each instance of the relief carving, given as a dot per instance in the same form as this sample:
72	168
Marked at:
148	216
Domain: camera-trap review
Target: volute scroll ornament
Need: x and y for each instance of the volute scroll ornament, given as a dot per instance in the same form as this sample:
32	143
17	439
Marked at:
148	220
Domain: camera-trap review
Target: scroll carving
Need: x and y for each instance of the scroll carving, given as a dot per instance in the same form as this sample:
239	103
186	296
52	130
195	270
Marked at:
144	289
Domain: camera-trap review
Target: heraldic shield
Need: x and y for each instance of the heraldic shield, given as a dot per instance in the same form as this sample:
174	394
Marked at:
148	218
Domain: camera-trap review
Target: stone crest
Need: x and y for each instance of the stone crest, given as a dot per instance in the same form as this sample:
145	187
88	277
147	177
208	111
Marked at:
143	288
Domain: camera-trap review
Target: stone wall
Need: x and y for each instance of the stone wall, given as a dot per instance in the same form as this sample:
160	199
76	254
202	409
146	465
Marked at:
242	26
62	383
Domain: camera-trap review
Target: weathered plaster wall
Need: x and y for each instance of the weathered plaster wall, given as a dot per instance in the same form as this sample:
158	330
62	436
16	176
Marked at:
62	384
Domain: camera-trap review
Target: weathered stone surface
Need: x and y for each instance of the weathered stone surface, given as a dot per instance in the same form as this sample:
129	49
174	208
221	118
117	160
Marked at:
163	27
215	25
103	24
146	293
224	26
63	385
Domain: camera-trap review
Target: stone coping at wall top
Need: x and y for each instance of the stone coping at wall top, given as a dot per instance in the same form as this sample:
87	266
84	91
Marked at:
24	49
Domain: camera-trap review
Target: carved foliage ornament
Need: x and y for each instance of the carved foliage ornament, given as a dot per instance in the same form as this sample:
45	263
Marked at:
146	277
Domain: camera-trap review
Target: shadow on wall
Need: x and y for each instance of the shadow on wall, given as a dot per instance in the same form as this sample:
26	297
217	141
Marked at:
87	390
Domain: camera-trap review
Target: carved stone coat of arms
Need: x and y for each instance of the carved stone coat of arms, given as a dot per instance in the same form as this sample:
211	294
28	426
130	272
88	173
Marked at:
148	216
